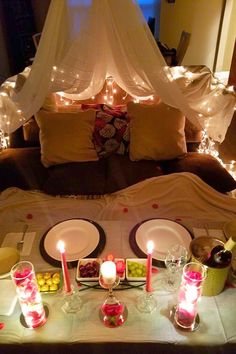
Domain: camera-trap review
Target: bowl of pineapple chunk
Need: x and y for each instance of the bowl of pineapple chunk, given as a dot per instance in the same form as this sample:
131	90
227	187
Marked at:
49	281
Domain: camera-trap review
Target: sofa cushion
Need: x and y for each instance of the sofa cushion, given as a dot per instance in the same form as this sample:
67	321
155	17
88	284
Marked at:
31	133
49	103
122	172
79	178
66	137
206	167
192	134
156	132
22	168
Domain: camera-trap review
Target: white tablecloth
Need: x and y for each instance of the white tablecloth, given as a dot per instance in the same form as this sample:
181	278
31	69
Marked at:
185	199
217	314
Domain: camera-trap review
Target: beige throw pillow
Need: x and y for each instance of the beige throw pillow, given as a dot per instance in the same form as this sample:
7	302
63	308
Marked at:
156	132
49	103
66	137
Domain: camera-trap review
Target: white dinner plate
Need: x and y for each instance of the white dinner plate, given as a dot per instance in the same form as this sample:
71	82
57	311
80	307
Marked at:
81	237
164	234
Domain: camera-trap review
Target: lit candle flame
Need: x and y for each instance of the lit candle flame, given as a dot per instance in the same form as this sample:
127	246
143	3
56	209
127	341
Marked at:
61	246
150	246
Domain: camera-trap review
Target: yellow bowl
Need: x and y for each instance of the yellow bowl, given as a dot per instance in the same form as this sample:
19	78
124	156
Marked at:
8	257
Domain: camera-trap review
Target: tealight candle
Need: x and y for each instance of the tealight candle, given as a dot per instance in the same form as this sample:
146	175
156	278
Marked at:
66	276
120	267
110	257
108	272
150	246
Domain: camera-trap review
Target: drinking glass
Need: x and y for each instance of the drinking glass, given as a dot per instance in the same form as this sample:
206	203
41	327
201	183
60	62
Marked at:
176	258
29	297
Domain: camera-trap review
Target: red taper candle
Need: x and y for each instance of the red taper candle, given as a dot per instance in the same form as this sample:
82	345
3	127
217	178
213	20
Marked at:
150	246
66	276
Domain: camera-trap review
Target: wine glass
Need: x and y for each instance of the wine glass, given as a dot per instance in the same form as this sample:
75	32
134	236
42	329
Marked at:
176	258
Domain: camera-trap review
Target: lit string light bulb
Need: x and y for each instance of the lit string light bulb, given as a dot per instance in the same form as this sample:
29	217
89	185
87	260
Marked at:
63	100
207	146
4	140
125	96
110	91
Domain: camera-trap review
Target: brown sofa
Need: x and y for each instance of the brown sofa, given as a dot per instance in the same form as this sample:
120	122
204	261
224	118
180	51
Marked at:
22	167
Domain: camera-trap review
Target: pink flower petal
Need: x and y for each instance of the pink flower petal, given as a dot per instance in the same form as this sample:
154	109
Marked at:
155	206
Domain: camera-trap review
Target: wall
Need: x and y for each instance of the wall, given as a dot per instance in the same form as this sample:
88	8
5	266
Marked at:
151	8
228	37
4	64
199	17
40	9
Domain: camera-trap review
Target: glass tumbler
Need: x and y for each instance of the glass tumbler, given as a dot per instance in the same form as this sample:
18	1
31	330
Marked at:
29	297
189	294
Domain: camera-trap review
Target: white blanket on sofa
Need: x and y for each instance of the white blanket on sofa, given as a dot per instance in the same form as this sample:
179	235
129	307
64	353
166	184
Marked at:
180	196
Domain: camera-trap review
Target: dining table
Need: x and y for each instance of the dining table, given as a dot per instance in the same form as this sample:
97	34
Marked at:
142	332
185	200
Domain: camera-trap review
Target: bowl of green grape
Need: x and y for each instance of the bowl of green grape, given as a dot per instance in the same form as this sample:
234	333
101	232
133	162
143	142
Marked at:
136	269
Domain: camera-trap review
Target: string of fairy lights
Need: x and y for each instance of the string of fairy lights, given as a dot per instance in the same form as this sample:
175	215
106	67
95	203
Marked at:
208	146
111	89
110	92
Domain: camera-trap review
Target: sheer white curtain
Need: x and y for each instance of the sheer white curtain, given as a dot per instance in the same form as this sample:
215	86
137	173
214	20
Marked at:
84	41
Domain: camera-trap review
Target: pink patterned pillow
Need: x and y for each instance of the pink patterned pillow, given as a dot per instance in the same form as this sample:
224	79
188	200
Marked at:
111	131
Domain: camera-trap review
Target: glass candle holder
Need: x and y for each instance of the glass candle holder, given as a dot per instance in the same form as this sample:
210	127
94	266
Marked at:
71	301
189	295
146	302
113	313
29	297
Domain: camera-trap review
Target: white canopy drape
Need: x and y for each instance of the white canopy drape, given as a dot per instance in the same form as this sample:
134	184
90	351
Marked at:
85	41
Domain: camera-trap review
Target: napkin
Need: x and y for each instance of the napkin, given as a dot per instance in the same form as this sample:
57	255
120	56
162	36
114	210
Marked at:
8	297
12	238
216	233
